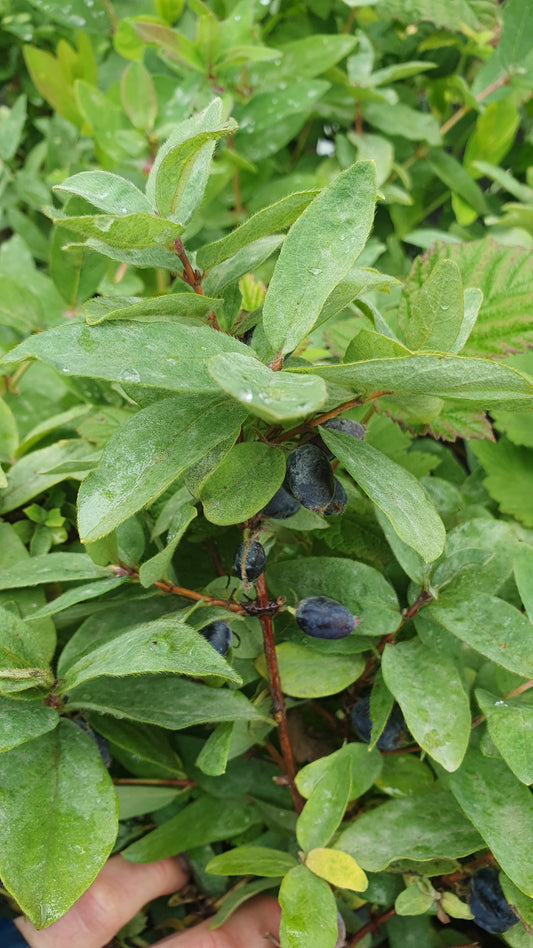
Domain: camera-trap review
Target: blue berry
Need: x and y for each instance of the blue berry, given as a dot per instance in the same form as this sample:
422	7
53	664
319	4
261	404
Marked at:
218	634
249	561
488	904
281	506
324	618
393	735
309	477
338	504
347	426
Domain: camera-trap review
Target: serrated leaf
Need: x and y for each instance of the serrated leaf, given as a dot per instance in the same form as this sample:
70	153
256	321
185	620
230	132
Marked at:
308	911
396	492
420	827
337	868
107	191
489	625
162	646
252	861
319	250
501	808
306	673
274	396
430	692
505	277
44	819
509	477
324	810
233	493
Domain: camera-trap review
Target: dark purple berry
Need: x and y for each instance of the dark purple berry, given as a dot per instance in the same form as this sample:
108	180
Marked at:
247	337
324	618
281	506
488	904
249	561
218	634
393	735
309	477
339	502
347	426
101	743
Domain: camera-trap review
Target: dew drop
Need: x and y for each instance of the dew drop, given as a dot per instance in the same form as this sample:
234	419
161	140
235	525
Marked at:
130	375
314	270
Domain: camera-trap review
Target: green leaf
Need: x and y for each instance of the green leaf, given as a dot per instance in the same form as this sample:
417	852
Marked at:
523	572
39	470
494	133
277	216
273	396
308	911
78	594
437	310
454	176
174	306
138	96
139	800
21	721
339	869
422	827
324	810
146	742
147	453
175	360
453	906
472	300
175	703
154	568
131	231
165	645
198	823
213	757
396	492
51	568
415	900
402	120
252	861
509	477
505	277
44	819
430	691
303	58
501	809
107	191
363	765
241	485
480	383
319	250
235	897
246	260
11	127
489	625
514	48
53	82
306	673
362	589
174	44
510	725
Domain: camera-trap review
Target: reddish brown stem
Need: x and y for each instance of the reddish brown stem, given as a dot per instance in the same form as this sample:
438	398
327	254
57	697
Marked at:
186	593
278	702
320	419
372	926
192	278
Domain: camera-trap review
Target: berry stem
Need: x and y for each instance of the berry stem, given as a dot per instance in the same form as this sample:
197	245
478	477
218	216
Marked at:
235	607
320	419
278	702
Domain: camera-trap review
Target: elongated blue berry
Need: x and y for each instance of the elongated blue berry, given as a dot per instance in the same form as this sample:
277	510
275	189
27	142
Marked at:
324	618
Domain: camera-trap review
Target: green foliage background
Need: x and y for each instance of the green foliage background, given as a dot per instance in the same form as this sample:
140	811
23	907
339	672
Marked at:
353	184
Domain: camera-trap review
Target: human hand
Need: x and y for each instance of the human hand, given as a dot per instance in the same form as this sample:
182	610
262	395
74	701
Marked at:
122	888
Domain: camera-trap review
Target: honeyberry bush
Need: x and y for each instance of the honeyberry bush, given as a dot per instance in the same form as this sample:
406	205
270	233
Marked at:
211	215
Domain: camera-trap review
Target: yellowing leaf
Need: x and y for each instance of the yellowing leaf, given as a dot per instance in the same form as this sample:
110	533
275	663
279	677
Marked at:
338	868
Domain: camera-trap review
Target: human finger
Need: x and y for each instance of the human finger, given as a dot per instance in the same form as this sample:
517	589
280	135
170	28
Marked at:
117	893
248	927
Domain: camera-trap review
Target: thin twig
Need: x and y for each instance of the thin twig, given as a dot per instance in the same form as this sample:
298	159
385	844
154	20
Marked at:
230	605
457	116
278	702
193	278
372	926
525	686
320	419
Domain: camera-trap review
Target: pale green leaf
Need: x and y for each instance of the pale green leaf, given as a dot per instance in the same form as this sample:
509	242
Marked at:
437	310
510	725
213	757
252	861
324	810
306	673
319	250
274	396
308	911
107	191
174	306
364	767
